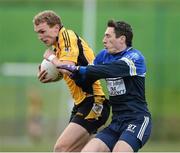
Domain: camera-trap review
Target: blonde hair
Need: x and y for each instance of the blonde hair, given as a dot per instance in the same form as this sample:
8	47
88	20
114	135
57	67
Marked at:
48	16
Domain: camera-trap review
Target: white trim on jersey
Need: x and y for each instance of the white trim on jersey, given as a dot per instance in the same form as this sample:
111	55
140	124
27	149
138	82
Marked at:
131	65
142	75
143	128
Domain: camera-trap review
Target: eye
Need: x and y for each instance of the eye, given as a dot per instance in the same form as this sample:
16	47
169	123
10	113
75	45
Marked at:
108	36
41	32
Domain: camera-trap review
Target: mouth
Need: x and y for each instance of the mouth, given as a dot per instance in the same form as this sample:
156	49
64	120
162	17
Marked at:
105	46
45	41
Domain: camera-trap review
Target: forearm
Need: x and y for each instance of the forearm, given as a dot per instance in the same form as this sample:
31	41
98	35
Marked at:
110	70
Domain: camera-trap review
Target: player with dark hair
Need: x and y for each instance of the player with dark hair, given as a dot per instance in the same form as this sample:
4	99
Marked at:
124	69
90	109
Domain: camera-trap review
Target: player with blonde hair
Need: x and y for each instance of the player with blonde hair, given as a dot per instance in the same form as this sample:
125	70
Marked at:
91	108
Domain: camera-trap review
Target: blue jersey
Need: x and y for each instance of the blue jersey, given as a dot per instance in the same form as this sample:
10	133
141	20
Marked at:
124	73
125	76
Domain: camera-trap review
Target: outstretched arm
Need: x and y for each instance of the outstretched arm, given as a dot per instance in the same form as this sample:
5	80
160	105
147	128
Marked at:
110	70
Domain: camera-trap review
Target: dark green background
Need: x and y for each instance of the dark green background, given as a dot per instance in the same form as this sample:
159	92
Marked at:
156	33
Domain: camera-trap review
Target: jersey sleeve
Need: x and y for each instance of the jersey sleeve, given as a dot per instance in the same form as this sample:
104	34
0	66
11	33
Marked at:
129	65
136	63
108	70
69	47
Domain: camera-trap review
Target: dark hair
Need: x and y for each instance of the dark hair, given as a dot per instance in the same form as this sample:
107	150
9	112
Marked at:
122	28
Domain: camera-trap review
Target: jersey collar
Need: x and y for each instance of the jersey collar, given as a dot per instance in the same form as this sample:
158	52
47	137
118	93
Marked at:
126	50
57	44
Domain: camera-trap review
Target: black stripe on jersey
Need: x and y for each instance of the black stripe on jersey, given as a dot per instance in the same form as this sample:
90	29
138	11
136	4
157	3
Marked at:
57	39
68	39
65	39
54	49
82	61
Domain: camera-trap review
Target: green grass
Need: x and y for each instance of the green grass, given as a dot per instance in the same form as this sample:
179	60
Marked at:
161	147
47	147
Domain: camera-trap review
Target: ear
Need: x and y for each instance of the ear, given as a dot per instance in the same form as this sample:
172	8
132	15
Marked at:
123	38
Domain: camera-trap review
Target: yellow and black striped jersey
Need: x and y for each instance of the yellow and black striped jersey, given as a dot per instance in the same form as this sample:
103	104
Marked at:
70	47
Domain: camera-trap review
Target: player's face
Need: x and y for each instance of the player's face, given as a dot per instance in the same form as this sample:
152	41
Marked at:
111	43
47	34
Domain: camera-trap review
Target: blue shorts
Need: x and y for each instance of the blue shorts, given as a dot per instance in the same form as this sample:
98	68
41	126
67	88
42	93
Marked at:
134	130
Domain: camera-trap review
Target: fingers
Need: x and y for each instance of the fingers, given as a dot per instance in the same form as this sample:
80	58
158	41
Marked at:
42	74
42	77
39	67
65	72
69	67
46	80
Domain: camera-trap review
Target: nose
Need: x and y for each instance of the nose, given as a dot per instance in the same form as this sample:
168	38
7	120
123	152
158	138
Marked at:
103	40
40	37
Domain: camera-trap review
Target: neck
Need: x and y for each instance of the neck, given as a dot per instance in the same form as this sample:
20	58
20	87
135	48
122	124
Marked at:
122	48
57	38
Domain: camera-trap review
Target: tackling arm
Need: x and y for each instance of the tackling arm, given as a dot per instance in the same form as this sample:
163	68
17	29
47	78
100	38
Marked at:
110	70
95	72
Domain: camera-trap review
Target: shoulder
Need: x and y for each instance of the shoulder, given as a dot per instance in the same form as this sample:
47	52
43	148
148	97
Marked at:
100	57
67	34
72	34
102	53
134	55
136	61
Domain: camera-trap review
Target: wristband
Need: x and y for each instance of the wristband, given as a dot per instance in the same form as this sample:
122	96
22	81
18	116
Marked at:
51	57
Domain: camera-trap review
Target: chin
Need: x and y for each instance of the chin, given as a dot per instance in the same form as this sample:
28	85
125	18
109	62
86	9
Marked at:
49	44
111	52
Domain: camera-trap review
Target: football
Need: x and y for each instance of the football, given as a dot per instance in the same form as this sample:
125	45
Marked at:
52	71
